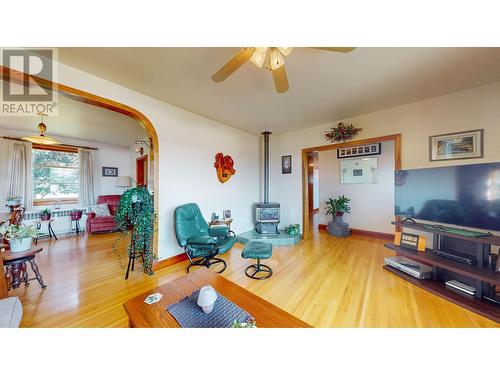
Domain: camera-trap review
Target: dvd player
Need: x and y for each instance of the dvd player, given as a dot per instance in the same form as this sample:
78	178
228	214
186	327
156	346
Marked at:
466	288
412	268
456	256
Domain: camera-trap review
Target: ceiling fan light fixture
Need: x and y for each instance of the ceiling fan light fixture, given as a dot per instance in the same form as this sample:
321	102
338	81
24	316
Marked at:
285	51
259	56
276	59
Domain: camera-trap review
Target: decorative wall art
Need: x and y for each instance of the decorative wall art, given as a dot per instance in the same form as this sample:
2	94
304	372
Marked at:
224	166
344	131
363	150
462	145
109	172
358	171
286	164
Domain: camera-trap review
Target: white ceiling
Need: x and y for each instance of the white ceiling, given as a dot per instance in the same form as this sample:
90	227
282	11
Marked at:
324	86
81	121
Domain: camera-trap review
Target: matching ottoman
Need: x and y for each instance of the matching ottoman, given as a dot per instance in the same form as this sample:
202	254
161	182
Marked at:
258	250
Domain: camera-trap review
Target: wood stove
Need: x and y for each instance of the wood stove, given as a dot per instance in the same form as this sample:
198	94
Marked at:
267	214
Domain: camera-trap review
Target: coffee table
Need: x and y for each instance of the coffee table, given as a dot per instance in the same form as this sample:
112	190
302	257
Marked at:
265	313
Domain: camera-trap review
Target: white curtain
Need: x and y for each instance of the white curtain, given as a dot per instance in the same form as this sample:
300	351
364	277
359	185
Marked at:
86	168
19	172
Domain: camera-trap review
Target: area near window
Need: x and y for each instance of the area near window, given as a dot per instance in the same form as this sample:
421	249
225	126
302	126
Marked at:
55	175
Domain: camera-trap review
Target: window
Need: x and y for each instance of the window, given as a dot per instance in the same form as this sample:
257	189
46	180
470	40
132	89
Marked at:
55	175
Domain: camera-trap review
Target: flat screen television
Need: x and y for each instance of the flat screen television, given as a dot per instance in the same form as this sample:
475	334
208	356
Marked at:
464	195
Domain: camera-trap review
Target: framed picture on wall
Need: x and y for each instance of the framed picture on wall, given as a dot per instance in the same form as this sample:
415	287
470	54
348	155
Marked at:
358	171
452	146
286	164
365	150
109	172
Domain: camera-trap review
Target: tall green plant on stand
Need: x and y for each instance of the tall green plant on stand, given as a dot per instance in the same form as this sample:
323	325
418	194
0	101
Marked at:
136	218
338	206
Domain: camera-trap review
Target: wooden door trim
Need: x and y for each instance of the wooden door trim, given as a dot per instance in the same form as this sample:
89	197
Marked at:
146	169
99	101
305	194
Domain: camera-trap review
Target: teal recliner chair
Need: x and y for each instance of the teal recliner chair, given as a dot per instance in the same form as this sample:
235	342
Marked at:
201	243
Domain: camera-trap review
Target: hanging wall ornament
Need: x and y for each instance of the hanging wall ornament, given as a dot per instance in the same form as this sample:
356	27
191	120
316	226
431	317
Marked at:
342	132
224	166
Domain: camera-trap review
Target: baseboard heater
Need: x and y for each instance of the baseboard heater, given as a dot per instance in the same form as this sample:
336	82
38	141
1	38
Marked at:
58	213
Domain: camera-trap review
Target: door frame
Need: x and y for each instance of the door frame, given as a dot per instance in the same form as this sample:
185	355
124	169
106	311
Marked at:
99	101
146	167
305	194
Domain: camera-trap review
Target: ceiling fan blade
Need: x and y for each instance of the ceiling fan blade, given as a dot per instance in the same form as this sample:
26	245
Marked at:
232	65
280	79
336	49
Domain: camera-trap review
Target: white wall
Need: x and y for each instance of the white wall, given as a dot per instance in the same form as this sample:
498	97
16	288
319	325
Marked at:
464	110
372	205
187	147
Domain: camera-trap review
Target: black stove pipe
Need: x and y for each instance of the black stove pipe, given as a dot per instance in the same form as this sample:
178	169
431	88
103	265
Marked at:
266	166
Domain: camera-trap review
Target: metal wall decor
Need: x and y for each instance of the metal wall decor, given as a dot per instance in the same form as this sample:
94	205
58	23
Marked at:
224	167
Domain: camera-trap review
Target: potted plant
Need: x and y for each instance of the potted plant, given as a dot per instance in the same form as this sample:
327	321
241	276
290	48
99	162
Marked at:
75	214
293	229
45	214
19	236
136	216
13	201
337	208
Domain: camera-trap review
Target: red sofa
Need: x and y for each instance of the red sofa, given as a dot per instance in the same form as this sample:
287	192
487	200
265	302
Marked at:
103	223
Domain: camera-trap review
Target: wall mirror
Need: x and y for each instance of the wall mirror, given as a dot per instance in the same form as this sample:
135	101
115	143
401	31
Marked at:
358	171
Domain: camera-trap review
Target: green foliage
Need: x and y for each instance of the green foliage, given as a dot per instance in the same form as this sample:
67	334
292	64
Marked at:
342	132
238	324
139	221
293	229
18	232
55	168
338	206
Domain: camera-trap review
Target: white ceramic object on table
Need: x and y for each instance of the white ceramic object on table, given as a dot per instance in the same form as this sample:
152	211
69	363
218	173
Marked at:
207	298
17	246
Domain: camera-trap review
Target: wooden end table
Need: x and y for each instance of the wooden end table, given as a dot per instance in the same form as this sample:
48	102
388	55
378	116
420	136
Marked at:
226	222
16	270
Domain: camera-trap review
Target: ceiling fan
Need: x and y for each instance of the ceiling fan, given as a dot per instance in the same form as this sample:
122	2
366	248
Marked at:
272	58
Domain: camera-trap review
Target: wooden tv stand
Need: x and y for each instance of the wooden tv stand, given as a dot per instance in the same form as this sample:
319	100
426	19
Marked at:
443	269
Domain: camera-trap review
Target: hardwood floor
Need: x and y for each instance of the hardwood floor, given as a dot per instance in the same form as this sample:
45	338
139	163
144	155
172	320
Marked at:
325	281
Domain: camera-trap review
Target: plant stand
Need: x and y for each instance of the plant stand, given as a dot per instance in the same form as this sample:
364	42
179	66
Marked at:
338	228
132	256
50	230
76	230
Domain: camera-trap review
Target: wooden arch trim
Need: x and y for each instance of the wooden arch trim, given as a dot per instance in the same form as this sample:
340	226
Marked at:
305	193
98	101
